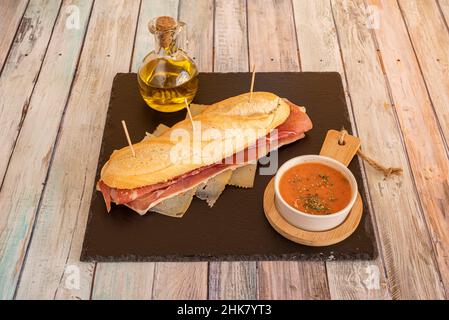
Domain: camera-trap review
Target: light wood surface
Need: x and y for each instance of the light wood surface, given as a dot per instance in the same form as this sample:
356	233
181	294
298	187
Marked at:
274	48
53	256
135	280
397	210
179	280
11	12
231	280
125	281
24	181
21	70
340	145
281	280
320	51
54	90
424	102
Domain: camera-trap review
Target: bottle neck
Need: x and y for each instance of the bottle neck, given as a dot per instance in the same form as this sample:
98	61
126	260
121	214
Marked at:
166	43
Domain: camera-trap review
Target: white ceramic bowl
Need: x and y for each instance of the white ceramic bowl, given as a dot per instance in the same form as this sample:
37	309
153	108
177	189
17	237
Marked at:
307	221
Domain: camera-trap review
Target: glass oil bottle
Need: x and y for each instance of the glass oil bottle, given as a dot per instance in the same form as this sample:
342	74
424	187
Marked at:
167	75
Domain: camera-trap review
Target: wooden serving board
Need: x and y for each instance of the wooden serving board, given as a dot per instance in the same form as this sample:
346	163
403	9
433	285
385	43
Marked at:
236	227
342	148
310	238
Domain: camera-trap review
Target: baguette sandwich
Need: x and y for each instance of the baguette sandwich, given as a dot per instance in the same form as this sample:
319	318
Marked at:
224	137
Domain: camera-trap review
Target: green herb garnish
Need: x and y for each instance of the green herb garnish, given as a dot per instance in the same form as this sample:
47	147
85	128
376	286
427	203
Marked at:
315	203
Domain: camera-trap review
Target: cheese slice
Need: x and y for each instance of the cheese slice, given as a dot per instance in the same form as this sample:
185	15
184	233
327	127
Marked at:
243	177
175	206
148	136
160	130
196	109
212	188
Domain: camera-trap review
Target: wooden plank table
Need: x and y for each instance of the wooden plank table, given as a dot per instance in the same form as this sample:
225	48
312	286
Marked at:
57	62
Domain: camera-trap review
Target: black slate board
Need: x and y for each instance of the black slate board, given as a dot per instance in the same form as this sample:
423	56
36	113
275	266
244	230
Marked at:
236	227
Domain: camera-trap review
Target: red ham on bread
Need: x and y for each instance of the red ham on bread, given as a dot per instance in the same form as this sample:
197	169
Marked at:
143	198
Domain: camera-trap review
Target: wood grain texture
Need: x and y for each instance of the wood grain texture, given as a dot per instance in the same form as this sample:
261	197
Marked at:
24	179
11	12
419	125
429	34
180	280
21	70
406	247
343	152
231	36
320	51
231	280
189	280
400	216
17	202
357	280
53	259
199	17
123	281
272	37
273	47
133	280
150	9
317	37
293	280
444	7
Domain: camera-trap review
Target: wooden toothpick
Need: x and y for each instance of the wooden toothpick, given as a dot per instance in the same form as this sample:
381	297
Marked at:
128	138
189	113
252	83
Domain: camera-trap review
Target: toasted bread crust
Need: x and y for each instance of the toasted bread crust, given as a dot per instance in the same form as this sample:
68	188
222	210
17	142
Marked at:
153	162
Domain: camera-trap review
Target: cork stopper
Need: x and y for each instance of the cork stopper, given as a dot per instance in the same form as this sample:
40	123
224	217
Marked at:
165	23
164	27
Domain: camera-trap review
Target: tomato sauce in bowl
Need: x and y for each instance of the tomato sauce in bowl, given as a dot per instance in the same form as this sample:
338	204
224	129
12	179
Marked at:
315	188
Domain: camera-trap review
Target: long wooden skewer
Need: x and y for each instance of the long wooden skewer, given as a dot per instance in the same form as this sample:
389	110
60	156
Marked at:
252	83
189	113
128	138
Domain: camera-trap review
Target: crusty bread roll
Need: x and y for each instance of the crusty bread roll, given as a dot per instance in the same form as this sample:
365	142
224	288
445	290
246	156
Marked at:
153	162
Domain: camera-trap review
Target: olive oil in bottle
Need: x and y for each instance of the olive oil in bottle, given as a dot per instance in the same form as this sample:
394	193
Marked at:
167	75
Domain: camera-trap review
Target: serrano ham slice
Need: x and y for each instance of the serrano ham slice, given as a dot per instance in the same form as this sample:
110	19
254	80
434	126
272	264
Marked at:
144	198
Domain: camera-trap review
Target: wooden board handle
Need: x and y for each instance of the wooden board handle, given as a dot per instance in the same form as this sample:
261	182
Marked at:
343	152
